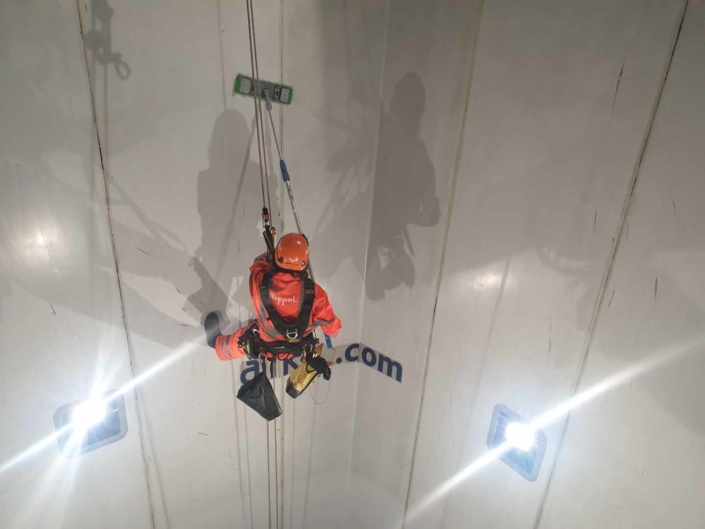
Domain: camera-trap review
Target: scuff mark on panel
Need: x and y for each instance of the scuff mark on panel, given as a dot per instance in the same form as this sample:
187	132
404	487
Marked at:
185	325
45	244
656	289
53	312
611	298
627	231
194	297
616	89
201	433
594	222
141	250
550	342
673	202
452	430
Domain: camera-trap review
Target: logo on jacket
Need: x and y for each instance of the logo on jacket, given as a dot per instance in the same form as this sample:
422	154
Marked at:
280	301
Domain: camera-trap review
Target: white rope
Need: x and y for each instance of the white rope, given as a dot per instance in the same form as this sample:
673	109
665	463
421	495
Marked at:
259	124
276	455
264	184
252	62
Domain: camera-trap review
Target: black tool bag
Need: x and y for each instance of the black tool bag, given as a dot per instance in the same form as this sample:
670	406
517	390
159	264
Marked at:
259	395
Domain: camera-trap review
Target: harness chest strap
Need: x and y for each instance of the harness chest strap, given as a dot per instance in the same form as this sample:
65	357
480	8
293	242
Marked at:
293	332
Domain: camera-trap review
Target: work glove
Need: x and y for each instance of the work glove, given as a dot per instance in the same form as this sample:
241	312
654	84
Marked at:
249	342
321	366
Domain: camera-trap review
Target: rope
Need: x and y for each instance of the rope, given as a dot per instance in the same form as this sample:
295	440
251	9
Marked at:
274	129
252	62
269	482
266	212
325	399
276	456
259	124
258	99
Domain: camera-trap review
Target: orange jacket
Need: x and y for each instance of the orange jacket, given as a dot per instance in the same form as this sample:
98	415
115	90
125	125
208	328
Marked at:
285	291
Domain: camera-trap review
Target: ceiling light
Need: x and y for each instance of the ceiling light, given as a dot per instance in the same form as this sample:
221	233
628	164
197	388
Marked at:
88	414
521	436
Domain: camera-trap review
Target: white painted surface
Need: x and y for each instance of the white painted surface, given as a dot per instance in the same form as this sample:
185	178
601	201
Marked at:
186	204
333	56
560	97
551	141
634	456
61	329
428	61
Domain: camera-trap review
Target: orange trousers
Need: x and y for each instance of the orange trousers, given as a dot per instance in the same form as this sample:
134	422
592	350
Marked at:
226	346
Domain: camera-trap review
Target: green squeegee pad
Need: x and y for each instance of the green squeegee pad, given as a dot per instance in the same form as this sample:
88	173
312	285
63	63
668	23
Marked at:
278	93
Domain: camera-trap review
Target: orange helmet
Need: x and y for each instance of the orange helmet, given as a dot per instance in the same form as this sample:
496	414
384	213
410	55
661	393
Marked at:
291	252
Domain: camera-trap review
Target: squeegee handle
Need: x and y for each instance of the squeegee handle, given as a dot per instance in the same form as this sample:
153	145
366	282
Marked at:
284	170
285	177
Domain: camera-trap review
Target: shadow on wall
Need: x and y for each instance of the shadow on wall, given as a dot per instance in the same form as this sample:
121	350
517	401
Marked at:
228	204
159	253
224	213
98	40
404	191
51	241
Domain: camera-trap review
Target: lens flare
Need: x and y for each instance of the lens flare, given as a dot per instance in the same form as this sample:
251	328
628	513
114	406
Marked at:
89	414
521	436
647	365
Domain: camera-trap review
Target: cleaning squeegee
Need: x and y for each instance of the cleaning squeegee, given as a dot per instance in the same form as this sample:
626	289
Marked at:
278	93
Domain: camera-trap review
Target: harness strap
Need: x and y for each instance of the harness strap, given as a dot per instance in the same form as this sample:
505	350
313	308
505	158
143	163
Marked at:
293	332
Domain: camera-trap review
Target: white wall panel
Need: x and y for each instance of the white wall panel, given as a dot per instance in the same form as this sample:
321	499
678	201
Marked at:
61	327
333	56
560	100
633	457
184	201
428	61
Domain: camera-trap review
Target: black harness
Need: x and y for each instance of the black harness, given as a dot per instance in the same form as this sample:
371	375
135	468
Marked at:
295	332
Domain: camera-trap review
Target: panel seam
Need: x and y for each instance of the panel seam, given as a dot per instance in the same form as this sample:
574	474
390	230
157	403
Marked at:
117	267
361	311
282	475
472	48
610	264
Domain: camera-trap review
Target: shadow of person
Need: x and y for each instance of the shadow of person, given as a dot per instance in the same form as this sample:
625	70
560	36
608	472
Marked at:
404	190
351	171
227	190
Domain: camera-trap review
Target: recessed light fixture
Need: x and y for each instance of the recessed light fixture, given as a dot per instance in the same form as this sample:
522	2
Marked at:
524	445
86	425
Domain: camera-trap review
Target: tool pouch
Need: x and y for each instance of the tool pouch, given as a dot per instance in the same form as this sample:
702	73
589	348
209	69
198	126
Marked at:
305	374
300	380
259	395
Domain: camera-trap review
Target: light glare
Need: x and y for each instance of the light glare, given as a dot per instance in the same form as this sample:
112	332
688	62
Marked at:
521	436
88	414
